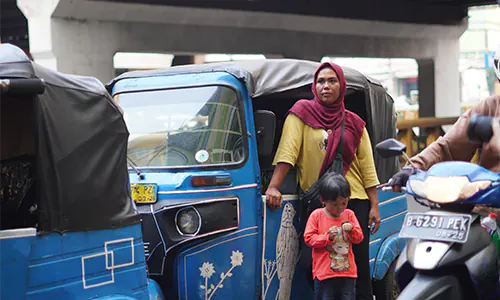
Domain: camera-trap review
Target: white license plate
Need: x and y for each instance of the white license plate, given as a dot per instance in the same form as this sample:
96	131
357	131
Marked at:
437	227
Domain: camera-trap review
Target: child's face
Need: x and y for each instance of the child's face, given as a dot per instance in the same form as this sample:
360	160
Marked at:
336	207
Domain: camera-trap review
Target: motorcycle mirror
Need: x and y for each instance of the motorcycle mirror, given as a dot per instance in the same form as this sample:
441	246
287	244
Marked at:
390	148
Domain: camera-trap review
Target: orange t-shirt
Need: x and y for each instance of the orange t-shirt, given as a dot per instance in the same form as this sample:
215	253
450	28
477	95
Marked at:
332	258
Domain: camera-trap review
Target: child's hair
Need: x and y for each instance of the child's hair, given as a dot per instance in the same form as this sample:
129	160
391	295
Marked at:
333	186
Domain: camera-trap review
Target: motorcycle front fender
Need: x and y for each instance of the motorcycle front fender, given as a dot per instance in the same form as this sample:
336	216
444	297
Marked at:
427	287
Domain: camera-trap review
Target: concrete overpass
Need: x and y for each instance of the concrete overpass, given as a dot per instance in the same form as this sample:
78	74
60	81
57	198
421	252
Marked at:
82	36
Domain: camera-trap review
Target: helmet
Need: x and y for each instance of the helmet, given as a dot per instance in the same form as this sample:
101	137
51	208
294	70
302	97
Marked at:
496	63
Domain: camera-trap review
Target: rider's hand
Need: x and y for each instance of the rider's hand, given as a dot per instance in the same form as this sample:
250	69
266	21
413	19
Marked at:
494	143
274	199
400	178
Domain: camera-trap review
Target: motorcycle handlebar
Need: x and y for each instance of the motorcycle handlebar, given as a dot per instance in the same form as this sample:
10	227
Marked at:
33	86
480	128
388	188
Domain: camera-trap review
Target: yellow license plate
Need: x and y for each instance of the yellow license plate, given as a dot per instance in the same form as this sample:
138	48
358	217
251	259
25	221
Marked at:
144	193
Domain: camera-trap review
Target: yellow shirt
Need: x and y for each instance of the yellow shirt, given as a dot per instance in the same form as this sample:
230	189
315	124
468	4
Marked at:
302	146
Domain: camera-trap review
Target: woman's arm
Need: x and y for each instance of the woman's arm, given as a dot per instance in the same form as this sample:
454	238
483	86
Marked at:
286	157
370	178
273	196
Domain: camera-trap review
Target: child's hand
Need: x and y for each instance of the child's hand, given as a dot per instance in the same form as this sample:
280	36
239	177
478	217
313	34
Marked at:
331	235
347	227
333	232
346	231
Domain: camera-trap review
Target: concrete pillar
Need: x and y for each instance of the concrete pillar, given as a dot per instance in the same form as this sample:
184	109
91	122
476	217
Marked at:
447	78
68	46
426	88
38	13
439	81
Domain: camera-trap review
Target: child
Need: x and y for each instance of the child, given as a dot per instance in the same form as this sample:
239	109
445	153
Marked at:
330	231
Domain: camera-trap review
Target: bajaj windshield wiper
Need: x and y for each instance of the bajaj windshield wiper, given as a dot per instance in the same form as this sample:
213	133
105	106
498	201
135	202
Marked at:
134	166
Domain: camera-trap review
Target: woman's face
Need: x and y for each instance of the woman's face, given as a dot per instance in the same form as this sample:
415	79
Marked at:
327	86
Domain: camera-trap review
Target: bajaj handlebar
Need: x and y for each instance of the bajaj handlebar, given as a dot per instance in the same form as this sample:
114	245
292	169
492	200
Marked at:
32	86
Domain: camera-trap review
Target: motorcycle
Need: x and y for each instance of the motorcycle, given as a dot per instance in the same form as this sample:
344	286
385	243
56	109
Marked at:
448	254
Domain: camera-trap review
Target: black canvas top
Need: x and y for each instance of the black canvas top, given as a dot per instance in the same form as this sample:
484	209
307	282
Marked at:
82	177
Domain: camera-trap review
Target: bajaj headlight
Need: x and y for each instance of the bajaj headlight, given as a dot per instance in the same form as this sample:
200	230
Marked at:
188	221
447	189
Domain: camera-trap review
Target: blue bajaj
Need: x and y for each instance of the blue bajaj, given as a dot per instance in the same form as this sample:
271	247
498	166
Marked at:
69	229
202	141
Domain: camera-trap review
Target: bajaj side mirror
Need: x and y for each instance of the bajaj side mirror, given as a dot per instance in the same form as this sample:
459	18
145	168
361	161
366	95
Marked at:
390	148
265	126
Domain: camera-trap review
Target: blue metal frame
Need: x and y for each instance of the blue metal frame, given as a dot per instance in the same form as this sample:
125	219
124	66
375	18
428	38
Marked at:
385	245
89	264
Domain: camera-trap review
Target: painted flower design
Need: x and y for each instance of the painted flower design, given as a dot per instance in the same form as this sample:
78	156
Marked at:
236	258
207	270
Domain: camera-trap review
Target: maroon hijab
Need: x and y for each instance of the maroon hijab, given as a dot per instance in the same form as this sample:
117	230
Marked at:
317	115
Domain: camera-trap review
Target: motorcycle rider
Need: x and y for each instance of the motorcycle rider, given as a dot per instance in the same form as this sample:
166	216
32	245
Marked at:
455	145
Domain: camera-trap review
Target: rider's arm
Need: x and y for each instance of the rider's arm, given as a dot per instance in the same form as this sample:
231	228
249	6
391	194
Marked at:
312	237
288	149
357	232
454	145
369	177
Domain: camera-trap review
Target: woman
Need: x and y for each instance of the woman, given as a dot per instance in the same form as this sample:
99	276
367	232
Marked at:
309	140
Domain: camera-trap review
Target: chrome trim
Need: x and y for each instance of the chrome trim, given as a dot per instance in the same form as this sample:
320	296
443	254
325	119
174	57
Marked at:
177	225
375	241
199	202
200	236
392	199
17	233
232	188
286	197
393	216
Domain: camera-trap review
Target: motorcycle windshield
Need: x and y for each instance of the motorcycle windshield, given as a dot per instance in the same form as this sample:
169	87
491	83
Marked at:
456	168
459	182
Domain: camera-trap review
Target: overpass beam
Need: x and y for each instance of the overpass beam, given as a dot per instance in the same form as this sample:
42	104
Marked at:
69	46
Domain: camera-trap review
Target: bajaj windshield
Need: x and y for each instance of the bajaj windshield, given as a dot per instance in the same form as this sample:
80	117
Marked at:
183	127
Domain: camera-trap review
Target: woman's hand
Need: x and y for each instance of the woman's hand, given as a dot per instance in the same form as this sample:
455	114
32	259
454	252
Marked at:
374	219
274	199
